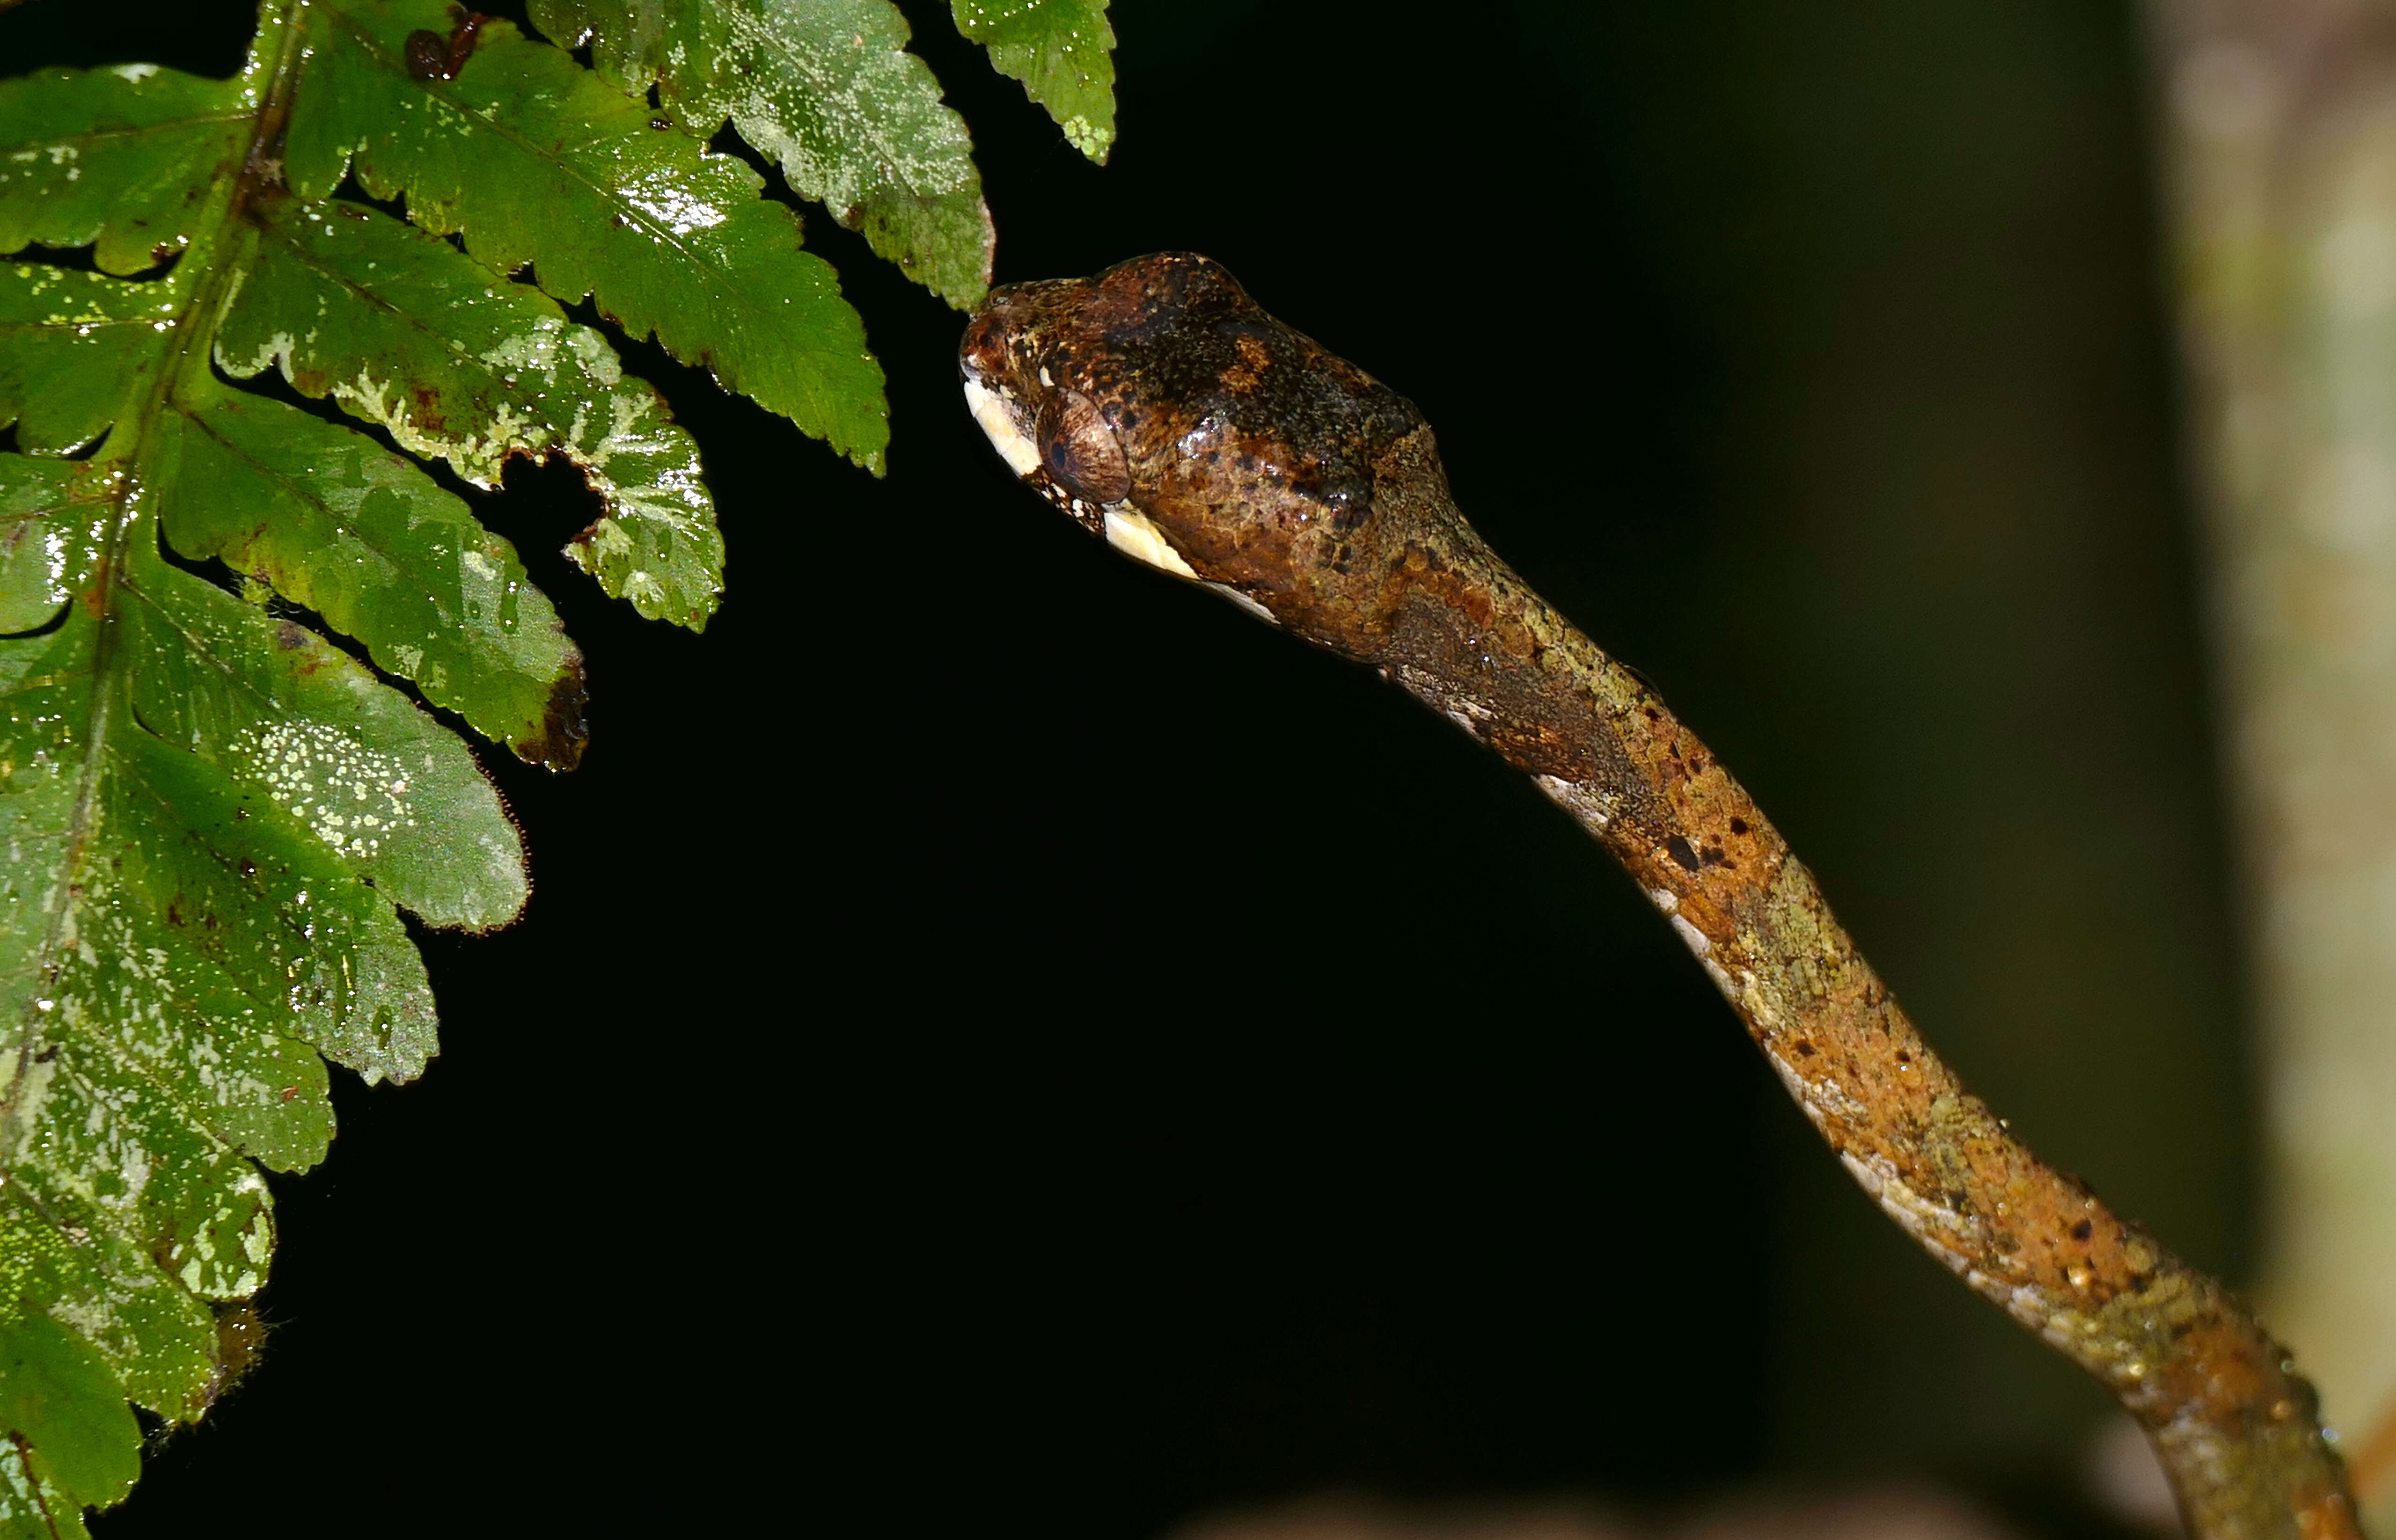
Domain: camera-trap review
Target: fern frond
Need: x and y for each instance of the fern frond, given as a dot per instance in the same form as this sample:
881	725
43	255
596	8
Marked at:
211	816
826	90
214	808
1061	50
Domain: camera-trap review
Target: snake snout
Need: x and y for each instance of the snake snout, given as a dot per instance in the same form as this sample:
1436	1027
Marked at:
983	350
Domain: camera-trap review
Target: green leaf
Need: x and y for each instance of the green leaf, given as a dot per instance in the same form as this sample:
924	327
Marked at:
829	92
58	1398
404	332
538	161
212	815
370	542
123	156
69	344
47	510
1061	50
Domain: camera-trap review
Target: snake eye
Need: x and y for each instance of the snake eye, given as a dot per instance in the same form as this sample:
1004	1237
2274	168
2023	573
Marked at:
1081	450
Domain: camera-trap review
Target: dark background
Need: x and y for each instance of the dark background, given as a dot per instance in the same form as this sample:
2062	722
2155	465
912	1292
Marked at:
1003	1043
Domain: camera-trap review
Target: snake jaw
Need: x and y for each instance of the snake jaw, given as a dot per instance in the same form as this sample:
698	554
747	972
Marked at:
1124	528
1136	535
1050	395
1011	428
1003	425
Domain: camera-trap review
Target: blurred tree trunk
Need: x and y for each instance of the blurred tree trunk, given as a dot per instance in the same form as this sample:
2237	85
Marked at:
2279	134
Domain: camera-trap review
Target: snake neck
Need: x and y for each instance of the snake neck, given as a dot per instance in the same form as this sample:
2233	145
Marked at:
1438	614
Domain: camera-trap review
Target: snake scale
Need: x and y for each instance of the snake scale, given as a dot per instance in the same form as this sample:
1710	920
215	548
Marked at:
1159	406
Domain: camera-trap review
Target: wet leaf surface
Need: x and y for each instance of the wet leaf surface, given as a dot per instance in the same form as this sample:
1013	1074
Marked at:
408	333
539	163
219	371
214	808
1061	50
827	91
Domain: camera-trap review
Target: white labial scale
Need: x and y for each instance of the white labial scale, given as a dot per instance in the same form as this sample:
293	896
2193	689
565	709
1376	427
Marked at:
999	424
1130	531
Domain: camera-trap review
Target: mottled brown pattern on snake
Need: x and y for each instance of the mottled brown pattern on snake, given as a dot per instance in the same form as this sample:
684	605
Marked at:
1158	404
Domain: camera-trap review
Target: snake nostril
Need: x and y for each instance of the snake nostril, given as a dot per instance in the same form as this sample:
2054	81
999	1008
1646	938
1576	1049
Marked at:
985	342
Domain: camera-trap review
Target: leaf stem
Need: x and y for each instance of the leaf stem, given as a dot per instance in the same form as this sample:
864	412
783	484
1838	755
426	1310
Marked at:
146	398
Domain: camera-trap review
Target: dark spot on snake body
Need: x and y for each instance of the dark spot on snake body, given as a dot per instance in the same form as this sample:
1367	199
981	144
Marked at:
2141	1283
1804	1047
1678	848
2082	1230
1738	826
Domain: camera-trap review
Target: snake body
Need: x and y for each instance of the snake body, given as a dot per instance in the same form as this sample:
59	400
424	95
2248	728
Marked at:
1159	406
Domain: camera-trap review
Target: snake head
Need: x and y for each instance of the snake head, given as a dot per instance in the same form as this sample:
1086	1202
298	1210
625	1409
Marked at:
1159	406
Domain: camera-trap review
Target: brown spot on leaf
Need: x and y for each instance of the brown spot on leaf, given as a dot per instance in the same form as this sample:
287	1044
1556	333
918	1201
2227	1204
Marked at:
427	54
429	416
564	731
